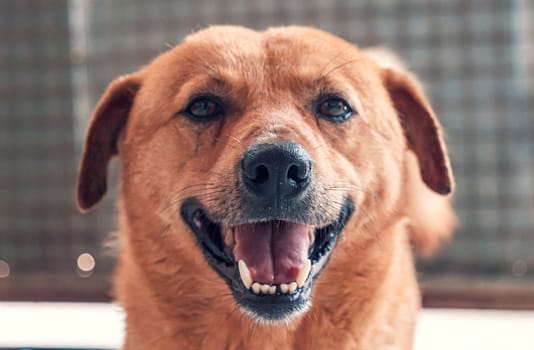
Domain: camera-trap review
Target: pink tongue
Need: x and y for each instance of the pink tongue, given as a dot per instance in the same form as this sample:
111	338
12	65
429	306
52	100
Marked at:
274	251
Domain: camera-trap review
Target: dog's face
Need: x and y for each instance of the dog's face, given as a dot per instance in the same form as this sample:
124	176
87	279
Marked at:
256	152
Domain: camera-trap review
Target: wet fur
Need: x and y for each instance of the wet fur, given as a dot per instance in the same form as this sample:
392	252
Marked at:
390	159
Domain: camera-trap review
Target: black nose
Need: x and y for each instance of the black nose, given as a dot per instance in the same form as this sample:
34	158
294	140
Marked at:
275	172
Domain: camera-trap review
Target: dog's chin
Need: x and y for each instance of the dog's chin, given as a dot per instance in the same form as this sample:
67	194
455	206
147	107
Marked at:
281	298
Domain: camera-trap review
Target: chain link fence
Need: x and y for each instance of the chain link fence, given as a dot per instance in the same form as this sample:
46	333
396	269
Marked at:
476	58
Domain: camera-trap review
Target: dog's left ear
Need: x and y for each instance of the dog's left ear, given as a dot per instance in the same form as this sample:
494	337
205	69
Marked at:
106	123
421	128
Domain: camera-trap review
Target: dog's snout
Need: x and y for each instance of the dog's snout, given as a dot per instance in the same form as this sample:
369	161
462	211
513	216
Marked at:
278	171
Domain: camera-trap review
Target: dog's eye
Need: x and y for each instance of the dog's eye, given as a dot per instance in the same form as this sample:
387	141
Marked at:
334	108
203	109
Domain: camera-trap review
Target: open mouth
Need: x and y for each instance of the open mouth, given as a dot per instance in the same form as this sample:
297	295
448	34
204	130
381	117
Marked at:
270	265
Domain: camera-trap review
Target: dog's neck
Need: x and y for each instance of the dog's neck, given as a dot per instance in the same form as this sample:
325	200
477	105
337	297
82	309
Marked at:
162	314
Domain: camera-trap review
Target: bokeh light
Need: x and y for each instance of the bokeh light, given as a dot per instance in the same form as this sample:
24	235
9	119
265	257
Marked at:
4	269
86	264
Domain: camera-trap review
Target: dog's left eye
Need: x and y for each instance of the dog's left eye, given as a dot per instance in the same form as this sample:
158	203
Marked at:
203	109
334	108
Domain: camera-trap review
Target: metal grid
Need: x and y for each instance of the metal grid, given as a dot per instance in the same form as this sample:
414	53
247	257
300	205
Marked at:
41	233
474	56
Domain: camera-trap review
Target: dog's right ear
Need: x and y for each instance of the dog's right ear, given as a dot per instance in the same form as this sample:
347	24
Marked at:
100	146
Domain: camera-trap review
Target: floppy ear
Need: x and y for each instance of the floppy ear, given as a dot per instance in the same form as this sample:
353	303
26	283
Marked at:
422	130
106	123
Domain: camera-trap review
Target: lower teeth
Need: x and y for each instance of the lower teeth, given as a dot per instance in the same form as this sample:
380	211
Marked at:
283	288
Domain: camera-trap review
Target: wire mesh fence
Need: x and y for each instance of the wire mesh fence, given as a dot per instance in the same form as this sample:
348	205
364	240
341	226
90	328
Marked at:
475	57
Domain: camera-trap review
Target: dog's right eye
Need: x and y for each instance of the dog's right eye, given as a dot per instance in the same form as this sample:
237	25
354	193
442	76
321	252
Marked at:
204	108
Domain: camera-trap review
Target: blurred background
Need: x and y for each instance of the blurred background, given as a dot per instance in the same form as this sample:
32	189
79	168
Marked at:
475	57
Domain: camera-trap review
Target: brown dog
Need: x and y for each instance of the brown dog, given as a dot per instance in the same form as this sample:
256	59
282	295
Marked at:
268	188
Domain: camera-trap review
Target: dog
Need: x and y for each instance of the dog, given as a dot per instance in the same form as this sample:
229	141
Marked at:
273	185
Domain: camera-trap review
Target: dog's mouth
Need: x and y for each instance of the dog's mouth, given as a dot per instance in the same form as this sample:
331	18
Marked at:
270	265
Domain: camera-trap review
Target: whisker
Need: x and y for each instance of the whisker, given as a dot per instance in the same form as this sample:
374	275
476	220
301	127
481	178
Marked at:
238	141
341	65
322	75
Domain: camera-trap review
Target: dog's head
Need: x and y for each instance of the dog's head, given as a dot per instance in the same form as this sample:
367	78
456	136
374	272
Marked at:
265	149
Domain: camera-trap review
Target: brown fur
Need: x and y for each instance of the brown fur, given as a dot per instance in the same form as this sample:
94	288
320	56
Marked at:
367	297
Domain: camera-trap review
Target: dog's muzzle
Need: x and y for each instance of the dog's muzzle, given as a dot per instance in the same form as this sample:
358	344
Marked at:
272	255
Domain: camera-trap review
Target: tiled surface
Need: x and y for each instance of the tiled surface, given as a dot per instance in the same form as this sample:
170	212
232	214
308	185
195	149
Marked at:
474	57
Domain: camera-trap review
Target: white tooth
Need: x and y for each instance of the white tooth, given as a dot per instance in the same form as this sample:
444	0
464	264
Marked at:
292	287
272	289
303	273
265	288
284	288
245	274
311	234
228	237
256	288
